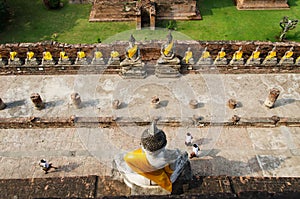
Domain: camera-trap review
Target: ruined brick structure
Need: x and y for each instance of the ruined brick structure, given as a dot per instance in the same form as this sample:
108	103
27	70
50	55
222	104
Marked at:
261	4
144	12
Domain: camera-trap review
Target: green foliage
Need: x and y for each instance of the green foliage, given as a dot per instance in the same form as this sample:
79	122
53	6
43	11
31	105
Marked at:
4	14
31	22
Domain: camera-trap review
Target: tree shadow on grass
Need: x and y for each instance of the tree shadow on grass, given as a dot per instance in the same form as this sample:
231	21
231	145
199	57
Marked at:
206	6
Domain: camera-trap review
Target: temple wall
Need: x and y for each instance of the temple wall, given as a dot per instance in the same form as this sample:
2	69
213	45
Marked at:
125	10
261	4
150	51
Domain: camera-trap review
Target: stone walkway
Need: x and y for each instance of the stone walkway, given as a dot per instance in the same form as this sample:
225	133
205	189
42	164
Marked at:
89	151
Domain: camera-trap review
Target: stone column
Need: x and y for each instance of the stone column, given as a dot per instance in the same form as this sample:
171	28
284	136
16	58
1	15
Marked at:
2	105
37	101
116	104
193	104
272	97
232	103
76	100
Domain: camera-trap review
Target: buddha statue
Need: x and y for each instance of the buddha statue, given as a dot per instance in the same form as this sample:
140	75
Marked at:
98	58
221	59
287	58
13	59
254	58
1	61
81	58
64	58
132	55
271	58
114	58
188	58
205	58
47	58
297	62
237	58
167	52
152	163
30	59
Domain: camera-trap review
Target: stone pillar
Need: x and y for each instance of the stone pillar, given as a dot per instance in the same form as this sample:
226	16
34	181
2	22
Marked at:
155	102
193	104
2	105
138	18
76	101
37	101
272	97
232	103
116	104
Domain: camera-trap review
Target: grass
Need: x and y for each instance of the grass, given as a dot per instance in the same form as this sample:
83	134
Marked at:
32	22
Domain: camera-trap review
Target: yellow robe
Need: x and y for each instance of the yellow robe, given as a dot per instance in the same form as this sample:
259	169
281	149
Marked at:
138	162
271	55
132	51
98	54
238	55
114	54
188	56
47	56
168	49
63	55
81	55
12	55
289	54
30	55
205	55
221	55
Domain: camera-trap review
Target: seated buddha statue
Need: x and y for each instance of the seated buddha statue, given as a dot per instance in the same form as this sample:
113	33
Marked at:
152	163
64	58
30	59
132	55
167	52
81	58
114	58
254	58
188	58
287	58
237	58
205	58
13	59
1	61
297	62
221	59
98	58
47	58
271	58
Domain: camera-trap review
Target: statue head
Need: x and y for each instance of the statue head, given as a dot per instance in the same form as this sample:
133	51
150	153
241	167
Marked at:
132	40
153	139
169	37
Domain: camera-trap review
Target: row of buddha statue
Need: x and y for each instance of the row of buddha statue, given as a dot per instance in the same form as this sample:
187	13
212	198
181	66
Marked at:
167	58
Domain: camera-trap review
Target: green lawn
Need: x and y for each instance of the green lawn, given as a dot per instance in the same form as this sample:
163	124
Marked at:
31	22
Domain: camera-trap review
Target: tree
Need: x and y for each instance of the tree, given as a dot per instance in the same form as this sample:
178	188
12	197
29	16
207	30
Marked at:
4	13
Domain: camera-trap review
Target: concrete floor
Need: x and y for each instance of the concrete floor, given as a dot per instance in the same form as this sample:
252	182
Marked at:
86	151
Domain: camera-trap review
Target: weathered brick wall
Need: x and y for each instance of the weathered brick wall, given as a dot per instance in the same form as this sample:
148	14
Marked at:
106	187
